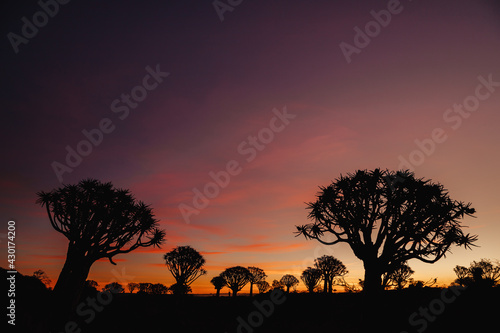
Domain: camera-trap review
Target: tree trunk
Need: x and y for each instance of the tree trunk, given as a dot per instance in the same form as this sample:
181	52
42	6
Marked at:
325	285
251	289
235	291
287	289
373	278
69	286
218	292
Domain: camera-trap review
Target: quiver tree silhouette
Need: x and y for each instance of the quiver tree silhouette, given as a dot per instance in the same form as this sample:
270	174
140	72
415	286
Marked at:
100	221
330	268
218	283
387	218
236	278
256	275
289	281
186	265
311	278
483	274
398	278
263	286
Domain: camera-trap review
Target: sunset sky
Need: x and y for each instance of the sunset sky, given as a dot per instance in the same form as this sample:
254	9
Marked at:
268	92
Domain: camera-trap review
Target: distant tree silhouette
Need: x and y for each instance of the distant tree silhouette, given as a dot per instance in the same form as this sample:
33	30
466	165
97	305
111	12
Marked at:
158	289
398	278
483	273
330	268
113	287
289	281
42	276
186	265
236	278
256	275
145	288
263	286
311	278
99	221
278	285
387	218
132	286
219	283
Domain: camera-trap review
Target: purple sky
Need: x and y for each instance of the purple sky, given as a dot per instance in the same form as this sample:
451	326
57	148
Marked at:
225	79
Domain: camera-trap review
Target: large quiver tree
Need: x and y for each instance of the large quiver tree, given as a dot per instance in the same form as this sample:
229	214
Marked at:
99	221
387	218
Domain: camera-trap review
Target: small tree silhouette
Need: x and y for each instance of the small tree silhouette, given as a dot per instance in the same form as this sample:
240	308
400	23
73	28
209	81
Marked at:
186	265
330	268
311	277
219	283
263	286
278	285
289	281
398	278
132	286
388	218
113	287
483	273
145	288
158	289
99	221
256	275
42	276
236	278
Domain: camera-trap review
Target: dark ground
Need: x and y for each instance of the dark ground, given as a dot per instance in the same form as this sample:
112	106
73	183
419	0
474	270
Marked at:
471	311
